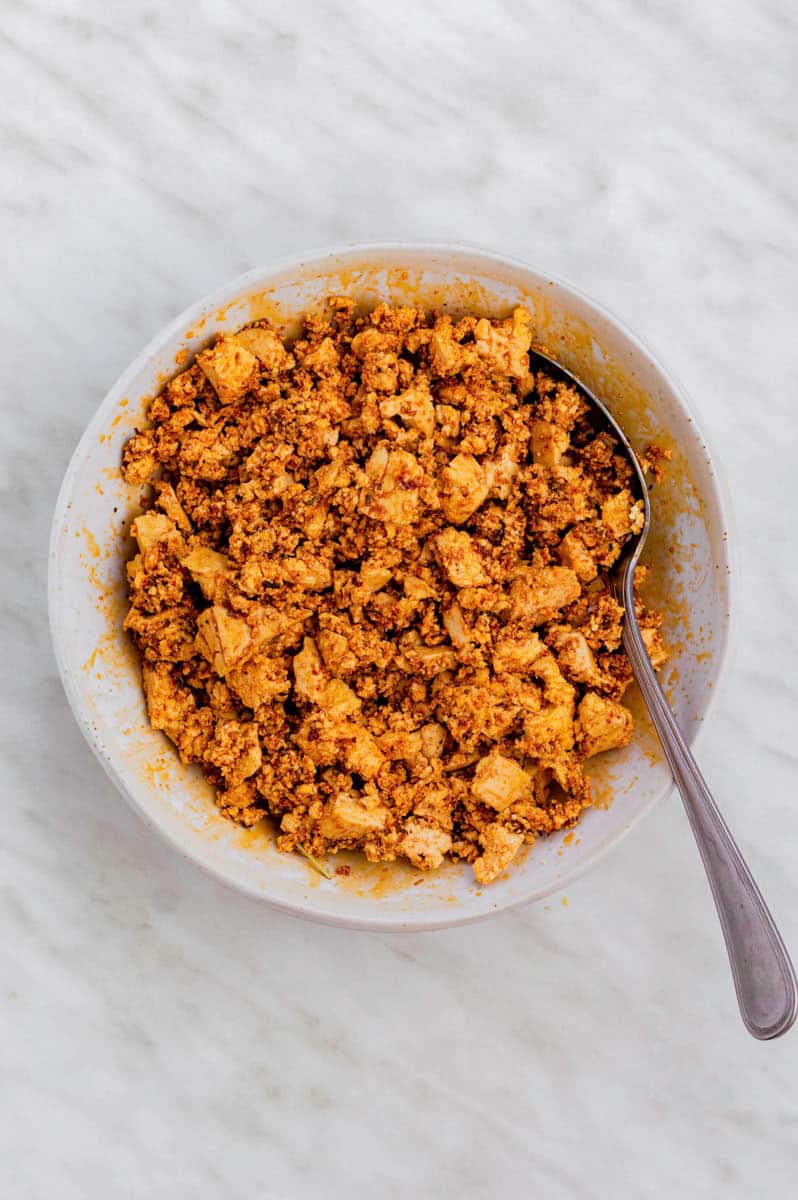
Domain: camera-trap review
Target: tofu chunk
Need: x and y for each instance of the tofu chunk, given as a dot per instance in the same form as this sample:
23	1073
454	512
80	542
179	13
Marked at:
414	407
427	661
505	345
550	730
574	554
265	345
425	845
574	656
500	781
655	647
323	359
231	369
463	485
447	355
208	568
349	818
260	680
556	688
459	559
360	750
540	592
307	572
235	750
499	848
392	493
169	503
338	700
602	724
149	528
310	676
222	639
455	626
168	704
516	649
619	512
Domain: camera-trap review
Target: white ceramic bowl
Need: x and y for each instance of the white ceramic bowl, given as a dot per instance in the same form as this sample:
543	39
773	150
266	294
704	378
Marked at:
87	588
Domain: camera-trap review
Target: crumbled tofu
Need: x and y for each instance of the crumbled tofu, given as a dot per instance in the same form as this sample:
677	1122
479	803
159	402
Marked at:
164	636
260	680
414	407
447	355
448	419
140	458
235	750
549	443
652	637
242	803
369	596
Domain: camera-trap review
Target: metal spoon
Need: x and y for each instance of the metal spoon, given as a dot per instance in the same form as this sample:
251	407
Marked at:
764	978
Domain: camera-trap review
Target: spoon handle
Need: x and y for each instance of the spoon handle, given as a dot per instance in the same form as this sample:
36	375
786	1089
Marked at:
764	978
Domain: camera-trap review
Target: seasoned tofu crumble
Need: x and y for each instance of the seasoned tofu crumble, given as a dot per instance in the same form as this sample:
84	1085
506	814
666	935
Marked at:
370	592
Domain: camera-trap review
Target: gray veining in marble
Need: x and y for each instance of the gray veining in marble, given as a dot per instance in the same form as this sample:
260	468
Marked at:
162	1037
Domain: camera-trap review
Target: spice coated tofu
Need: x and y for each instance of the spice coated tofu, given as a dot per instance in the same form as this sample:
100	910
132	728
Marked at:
368	595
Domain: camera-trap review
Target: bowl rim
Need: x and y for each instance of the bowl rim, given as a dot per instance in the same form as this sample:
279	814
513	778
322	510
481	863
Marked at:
223	294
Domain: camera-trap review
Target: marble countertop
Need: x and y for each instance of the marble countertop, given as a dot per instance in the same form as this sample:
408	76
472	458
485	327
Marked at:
164	1037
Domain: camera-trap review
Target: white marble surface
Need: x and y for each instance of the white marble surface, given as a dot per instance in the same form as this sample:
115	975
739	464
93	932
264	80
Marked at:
162	1037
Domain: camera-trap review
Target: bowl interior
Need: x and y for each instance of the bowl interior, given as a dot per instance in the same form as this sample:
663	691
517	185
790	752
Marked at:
90	544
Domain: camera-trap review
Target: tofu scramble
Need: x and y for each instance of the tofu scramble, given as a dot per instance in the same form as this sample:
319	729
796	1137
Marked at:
370	593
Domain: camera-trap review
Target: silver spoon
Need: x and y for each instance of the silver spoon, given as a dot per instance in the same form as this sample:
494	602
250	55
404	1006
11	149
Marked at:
764	978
